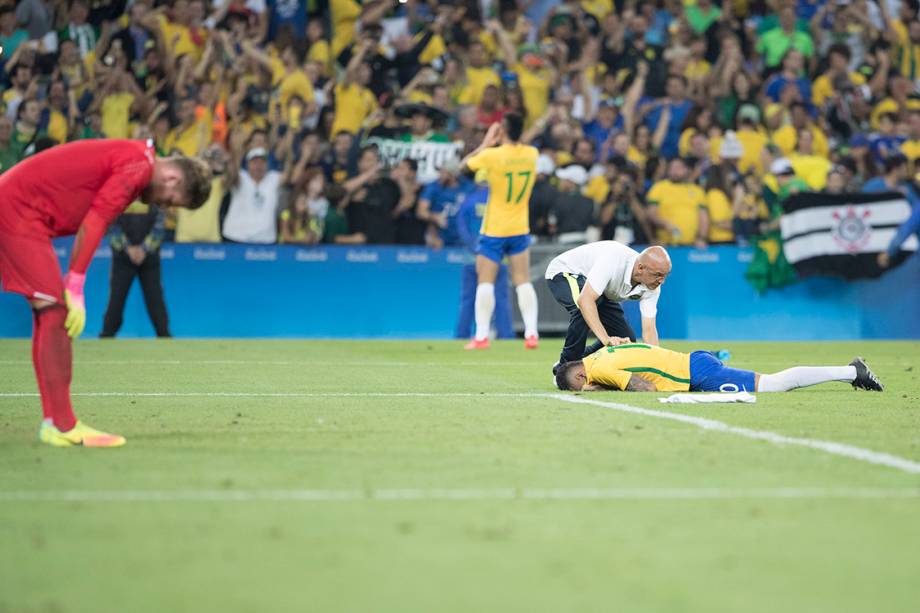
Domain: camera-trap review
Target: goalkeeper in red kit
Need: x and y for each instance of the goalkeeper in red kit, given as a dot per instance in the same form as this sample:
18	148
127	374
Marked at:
76	189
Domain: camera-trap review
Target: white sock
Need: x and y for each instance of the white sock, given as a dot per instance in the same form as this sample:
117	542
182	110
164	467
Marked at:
527	302
803	376
485	305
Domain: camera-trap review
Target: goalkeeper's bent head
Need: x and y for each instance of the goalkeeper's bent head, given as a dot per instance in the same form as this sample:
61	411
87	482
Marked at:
179	181
196	180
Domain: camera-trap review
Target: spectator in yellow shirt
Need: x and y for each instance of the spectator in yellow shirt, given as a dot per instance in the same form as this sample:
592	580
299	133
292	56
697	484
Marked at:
344	16
720	185
787	136
479	75
678	208
202	225
826	86
899	100
288	76
61	112
752	139
319	50
119	99
904	34
177	33
190	137
699	121
911	147
354	102
697	67
535	78
809	167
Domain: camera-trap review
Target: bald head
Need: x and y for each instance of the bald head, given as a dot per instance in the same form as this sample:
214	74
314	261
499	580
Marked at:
652	267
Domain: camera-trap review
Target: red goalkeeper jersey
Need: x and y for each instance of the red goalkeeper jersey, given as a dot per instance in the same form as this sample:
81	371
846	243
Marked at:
51	194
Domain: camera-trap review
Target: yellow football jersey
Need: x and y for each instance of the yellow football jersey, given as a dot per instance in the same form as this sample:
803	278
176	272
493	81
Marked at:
613	366
680	204
512	170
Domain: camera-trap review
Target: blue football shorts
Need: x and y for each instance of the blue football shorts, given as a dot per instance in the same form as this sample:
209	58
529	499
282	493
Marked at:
496	248
709	374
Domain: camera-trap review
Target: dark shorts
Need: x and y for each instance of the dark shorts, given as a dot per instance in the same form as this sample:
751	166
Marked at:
496	248
29	266
709	374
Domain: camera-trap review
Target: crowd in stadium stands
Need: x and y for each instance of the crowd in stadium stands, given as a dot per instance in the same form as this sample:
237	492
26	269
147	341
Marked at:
663	121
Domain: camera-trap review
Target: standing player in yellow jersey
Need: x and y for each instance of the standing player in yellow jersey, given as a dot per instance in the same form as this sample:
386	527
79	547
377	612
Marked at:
511	169
636	367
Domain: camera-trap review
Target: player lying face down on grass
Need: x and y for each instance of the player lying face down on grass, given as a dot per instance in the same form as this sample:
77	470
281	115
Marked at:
636	367
77	189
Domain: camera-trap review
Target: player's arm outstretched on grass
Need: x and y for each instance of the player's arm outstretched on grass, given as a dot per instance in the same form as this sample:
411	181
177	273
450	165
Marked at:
636	384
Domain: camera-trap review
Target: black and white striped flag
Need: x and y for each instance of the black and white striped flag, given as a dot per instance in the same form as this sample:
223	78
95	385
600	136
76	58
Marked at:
841	235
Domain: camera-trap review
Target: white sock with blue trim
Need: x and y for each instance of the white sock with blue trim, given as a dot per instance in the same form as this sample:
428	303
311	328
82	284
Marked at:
804	376
485	306
527	302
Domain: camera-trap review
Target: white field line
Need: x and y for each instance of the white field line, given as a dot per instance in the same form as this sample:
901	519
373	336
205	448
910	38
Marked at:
287	395
441	494
840	449
388	363
831	447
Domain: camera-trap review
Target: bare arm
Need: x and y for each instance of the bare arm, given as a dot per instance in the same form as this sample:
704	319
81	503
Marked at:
235	101
492	137
180	87
640	384
201	70
661	130
262	58
814	25
587	304
640	215
880	79
537	128
358	182
306	154
375	13
702	232
351	70
108	86
649	331
505	46
235	158
632	99
595	387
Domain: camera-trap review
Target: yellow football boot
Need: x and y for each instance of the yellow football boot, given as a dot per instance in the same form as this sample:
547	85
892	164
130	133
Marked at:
81	434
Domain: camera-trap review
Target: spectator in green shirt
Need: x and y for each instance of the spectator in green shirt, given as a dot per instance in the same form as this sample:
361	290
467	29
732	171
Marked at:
702	15
9	151
10	36
27	128
774	44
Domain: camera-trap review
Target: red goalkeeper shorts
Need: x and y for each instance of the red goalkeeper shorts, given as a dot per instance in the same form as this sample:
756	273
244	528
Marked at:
29	266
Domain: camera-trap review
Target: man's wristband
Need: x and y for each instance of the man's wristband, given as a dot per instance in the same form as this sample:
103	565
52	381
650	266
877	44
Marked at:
73	283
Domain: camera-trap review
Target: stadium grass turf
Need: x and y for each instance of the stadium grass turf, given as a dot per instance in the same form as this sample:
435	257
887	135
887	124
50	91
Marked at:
669	554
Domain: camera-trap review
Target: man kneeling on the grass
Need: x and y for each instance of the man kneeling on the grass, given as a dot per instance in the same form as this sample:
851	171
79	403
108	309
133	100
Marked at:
636	367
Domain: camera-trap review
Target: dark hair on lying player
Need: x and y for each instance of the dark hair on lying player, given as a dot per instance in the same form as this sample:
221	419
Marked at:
562	379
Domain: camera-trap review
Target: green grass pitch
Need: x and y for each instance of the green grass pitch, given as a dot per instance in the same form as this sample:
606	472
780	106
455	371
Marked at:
413	476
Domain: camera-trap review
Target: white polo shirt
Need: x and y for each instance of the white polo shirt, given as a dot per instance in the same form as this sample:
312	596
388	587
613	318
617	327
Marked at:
608	268
252	216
